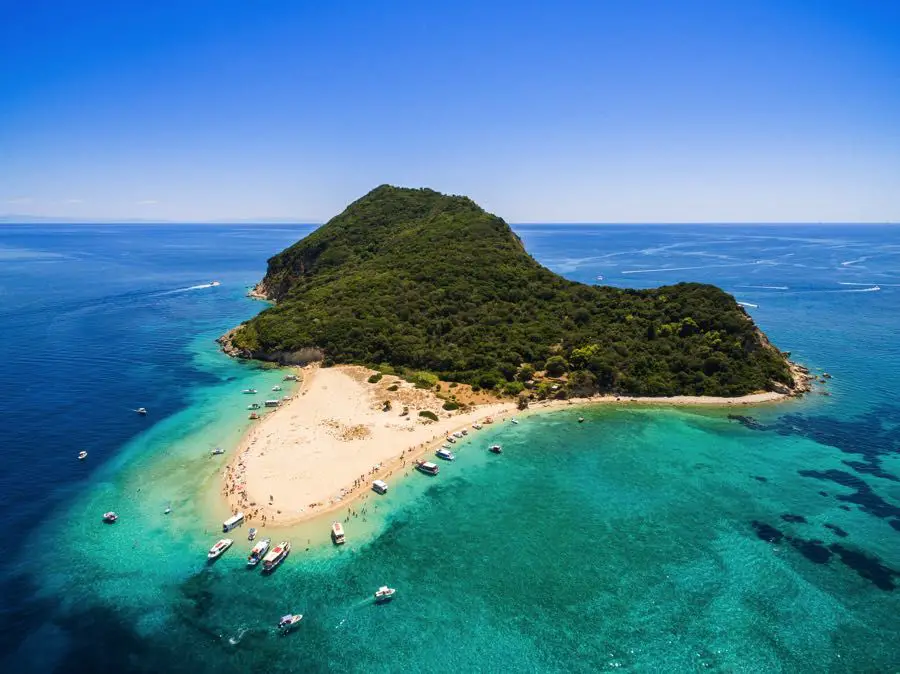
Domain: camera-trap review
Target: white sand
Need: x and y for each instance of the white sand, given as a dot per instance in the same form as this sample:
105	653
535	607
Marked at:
323	448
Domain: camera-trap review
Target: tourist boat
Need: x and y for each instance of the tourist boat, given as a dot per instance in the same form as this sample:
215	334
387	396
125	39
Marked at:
258	551
110	517
251	534
249	391
380	486
276	556
384	593
514	420
141	410
216	551
235	520
337	533
496	449
217	451
457	435
286	624
276	388
273	403
477	427
253	415
82	455
427	467
445	454
488	420
253	406
450	439
290	377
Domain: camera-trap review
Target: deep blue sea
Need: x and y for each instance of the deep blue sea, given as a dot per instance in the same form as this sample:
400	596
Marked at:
645	540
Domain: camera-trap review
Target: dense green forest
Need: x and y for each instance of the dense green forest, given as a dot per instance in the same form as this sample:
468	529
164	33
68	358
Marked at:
417	279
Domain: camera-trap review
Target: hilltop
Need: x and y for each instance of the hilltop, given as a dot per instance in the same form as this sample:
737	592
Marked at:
418	280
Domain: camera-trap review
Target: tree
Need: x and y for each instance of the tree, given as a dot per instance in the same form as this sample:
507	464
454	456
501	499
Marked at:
556	366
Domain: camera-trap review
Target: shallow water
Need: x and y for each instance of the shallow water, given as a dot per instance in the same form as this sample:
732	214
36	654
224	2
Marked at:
642	539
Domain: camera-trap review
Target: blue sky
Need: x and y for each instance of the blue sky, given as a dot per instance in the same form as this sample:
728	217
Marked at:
631	111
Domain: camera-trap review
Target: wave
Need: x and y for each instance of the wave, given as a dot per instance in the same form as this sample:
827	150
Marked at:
766	287
747	304
850	263
708	266
211	284
862	290
852	283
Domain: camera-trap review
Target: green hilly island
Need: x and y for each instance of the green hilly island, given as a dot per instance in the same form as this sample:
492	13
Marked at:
416	280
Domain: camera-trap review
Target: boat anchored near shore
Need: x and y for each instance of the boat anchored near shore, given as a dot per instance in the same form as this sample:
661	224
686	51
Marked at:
220	547
276	556
427	467
258	551
337	533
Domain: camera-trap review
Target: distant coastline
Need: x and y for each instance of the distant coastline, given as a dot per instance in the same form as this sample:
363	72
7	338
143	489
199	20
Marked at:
320	451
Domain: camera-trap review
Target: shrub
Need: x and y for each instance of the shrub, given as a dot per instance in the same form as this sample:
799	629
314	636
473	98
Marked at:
450	406
556	366
423	379
428	414
392	387
512	388
375	378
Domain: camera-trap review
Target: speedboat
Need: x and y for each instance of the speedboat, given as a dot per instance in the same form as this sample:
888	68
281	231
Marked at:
384	593
379	486
276	388
445	454
249	391
216	551
167	510
464	432
286	624
451	440
213	284
477	427
251	534
82	455
253	406
258	551
496	449
427	467
276	556
580	420
110	517
514	420
337	533
217	450
457	435
141	410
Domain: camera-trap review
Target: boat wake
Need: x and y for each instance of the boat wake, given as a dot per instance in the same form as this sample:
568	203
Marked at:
861	290
747	304
767	287
850	263
211	284
236	639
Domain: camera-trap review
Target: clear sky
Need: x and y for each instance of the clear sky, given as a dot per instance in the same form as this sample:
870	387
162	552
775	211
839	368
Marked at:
595	111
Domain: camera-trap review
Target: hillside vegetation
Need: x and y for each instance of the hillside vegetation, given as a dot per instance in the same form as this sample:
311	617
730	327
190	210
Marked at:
417	279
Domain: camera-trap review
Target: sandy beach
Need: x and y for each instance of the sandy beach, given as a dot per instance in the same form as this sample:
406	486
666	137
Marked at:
323	448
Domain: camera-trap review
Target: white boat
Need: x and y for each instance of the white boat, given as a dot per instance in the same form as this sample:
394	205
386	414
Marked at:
217	450
380	486
249	391
286	624
446	447
253	406
337	533
445	454
290	377
276	556
110	517
221	546
496	449
599	278
450	440
464	432
213	284
580	420
167	510
258	551
276	388
82	455
427	467
273	403
235	520
477	427
457	435
514	420
384	593
251	534
141	410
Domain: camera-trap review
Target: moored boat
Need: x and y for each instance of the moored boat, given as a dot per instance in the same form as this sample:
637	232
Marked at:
384	593
253	415
427	467
273	403
216	551
249	391
110	517
213	284
496	449
514	420
451	440
276	388
337	533
217	451
477	427
286	624
380	486
258	551
445	454
253	406
82	455
251	534
276	556
290	377
457	435
235	520
580	420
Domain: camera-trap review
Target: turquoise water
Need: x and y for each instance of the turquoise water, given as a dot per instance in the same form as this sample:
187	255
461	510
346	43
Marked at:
642	540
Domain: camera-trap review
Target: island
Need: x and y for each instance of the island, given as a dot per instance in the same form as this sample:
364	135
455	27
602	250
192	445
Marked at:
415	314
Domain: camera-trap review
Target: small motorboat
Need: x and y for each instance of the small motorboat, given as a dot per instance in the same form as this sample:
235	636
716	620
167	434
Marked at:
167	510
258	551
82	455
427	467
384	593
514	420
217	450
142	411
213	284
110	517
477	427
464	432
253	415
451	440
216	551
253	406
290	377
379	486
249	391
445	454
457	435
251	534
580	420
276	388
496	449
286	624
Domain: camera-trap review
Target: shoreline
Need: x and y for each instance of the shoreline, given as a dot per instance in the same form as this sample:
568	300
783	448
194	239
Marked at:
320	451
